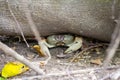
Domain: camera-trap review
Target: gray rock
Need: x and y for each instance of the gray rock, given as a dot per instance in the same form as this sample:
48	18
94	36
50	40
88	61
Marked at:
90	18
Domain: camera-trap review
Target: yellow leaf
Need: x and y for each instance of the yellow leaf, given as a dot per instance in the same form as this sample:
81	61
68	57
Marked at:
96	61
13	68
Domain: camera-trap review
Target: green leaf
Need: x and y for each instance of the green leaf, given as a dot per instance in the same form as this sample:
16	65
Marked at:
1	78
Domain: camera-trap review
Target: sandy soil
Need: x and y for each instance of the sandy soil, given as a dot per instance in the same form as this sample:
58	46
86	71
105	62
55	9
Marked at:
60	62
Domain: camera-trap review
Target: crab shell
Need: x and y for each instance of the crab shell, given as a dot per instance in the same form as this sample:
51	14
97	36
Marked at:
60	40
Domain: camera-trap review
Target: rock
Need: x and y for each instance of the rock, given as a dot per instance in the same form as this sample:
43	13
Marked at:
90	18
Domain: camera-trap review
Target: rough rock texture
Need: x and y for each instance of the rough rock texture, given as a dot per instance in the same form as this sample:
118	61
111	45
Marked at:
91	18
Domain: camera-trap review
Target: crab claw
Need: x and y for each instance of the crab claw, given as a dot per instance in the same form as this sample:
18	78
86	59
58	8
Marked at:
42	49
38	49
77	44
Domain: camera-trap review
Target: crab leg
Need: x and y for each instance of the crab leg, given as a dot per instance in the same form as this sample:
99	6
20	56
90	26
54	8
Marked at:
48	45
77	44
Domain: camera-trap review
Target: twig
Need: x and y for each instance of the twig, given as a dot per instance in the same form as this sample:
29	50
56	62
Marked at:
14	54
115	41
17	23
34	30
113	8
86	49
115	75
64	73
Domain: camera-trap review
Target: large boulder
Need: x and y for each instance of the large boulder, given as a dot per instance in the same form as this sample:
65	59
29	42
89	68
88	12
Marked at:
90	18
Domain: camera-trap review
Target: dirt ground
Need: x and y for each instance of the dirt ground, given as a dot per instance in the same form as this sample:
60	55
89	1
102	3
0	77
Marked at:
61	62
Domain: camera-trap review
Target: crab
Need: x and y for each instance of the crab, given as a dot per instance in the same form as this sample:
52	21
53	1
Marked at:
73	43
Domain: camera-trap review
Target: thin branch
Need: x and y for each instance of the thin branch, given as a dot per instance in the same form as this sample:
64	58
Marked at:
113	8
34	30
14	54
115	75
115	41
64	73
111	51
84	50
17	23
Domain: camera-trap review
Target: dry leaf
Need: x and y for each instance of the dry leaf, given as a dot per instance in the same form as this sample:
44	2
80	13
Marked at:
96	61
